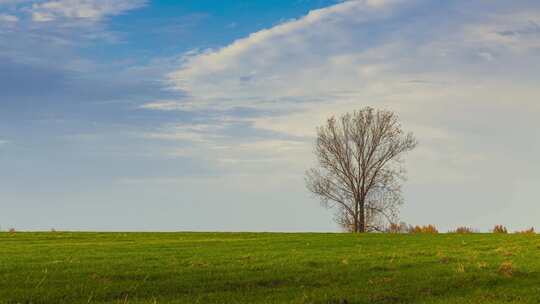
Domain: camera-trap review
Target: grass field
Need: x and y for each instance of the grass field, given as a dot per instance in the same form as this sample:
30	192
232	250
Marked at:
62	267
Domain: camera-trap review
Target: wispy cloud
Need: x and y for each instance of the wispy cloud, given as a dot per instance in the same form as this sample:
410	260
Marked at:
249	70
167	105
93	10
188	132
50	32
6	18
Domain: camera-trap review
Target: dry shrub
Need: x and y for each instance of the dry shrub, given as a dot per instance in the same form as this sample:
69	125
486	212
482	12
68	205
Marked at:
499	229
12	230
423	229
527	231
415	229
463	230
393	228
430	229
506	268
397	228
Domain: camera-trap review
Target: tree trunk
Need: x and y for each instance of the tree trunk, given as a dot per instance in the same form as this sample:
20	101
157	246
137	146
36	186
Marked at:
356	221
355	224
362	219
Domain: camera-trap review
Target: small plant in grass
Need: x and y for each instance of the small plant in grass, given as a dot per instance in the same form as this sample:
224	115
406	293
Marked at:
499	229
527	231
463	230
12	230
443	258
482	265
506	268
460	268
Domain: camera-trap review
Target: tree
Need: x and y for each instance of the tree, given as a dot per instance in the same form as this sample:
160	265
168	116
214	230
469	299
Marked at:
360	168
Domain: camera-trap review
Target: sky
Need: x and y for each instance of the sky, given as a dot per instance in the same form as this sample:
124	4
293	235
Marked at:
201	115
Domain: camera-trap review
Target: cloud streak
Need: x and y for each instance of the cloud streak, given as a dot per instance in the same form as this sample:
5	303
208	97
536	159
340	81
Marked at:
250	69
92	10
6	18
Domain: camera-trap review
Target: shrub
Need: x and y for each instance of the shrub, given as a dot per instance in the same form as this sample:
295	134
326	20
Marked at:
11	230
430	229
463	230
499	229
415	229
423	229
397	228
527	231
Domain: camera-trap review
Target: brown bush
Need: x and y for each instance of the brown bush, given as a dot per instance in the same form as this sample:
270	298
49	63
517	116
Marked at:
527	231
423	229
430	229
415	229
499	229
397	228
463	230
11	230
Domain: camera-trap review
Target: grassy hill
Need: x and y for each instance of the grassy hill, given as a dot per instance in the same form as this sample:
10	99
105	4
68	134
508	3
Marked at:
62	267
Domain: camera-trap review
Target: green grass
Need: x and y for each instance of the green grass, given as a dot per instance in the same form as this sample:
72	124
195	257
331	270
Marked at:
62	267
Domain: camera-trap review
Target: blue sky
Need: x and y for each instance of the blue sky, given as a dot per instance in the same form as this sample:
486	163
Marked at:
200	115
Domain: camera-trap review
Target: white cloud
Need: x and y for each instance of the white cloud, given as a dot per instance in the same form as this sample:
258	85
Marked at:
92	10
465	84
354	54
167	105
12	3
501	35
191	133
215	144
249	70
5	18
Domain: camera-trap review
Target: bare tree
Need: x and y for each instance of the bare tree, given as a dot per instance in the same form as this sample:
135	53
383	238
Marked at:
360	169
